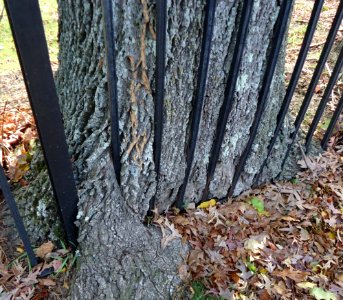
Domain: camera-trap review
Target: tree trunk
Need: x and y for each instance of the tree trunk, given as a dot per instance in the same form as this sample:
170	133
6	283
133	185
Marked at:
120	257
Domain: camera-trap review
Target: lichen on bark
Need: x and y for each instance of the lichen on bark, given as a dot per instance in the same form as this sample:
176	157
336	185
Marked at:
120	257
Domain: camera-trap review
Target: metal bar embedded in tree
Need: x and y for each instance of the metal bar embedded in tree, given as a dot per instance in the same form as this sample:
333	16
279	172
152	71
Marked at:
280	29
161	27
229	93
112	83
27	29
200	94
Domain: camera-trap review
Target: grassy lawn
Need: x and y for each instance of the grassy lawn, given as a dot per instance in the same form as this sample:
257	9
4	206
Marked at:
8	56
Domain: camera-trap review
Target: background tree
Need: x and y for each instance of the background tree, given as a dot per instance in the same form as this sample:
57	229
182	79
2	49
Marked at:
120	257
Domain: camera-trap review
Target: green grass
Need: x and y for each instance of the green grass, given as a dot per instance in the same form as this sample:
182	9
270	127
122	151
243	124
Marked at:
8	56
296	34
200	292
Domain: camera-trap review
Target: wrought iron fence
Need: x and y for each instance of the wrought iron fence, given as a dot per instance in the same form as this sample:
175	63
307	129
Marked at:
36	69
28	34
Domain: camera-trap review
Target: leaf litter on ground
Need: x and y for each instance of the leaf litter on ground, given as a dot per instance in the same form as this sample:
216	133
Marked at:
281	241
49	279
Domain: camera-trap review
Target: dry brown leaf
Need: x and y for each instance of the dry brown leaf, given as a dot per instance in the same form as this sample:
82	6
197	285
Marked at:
184	273
47	282
195	256
304	235
264	295
288	218
295	275
234	277
167	238
181	220
45	249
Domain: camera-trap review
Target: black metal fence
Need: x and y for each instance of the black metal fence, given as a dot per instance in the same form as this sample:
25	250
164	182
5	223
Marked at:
34	60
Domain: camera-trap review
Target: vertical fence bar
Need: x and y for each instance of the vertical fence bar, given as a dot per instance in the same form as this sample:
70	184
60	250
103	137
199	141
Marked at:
324	100
200	93
161	28
16	216
229	93
316	76
278	37
312	24
27	29
108	20
332	124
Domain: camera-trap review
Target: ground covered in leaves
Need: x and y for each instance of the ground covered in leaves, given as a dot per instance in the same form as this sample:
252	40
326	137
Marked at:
282	241
48	280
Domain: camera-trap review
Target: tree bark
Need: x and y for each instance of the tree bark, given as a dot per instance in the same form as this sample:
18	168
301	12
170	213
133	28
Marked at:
120	257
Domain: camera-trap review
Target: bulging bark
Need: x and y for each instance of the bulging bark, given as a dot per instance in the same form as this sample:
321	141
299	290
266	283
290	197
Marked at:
120	257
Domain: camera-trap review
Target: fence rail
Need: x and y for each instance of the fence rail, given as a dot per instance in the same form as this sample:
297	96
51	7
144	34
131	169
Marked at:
43	98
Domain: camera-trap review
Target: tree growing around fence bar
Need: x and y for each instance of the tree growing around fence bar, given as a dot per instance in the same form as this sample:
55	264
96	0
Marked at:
120	256
163	104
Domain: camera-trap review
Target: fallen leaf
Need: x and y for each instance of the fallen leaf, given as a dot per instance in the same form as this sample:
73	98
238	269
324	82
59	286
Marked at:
47	282
207	204
167	238
304	235
258	204
234	277
20	249
264	295
339	276
296	275
321	294
306	285
287	218
44	249
181	220
184	272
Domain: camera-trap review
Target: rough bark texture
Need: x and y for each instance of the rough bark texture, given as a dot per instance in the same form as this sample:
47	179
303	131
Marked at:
84	101
120	257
